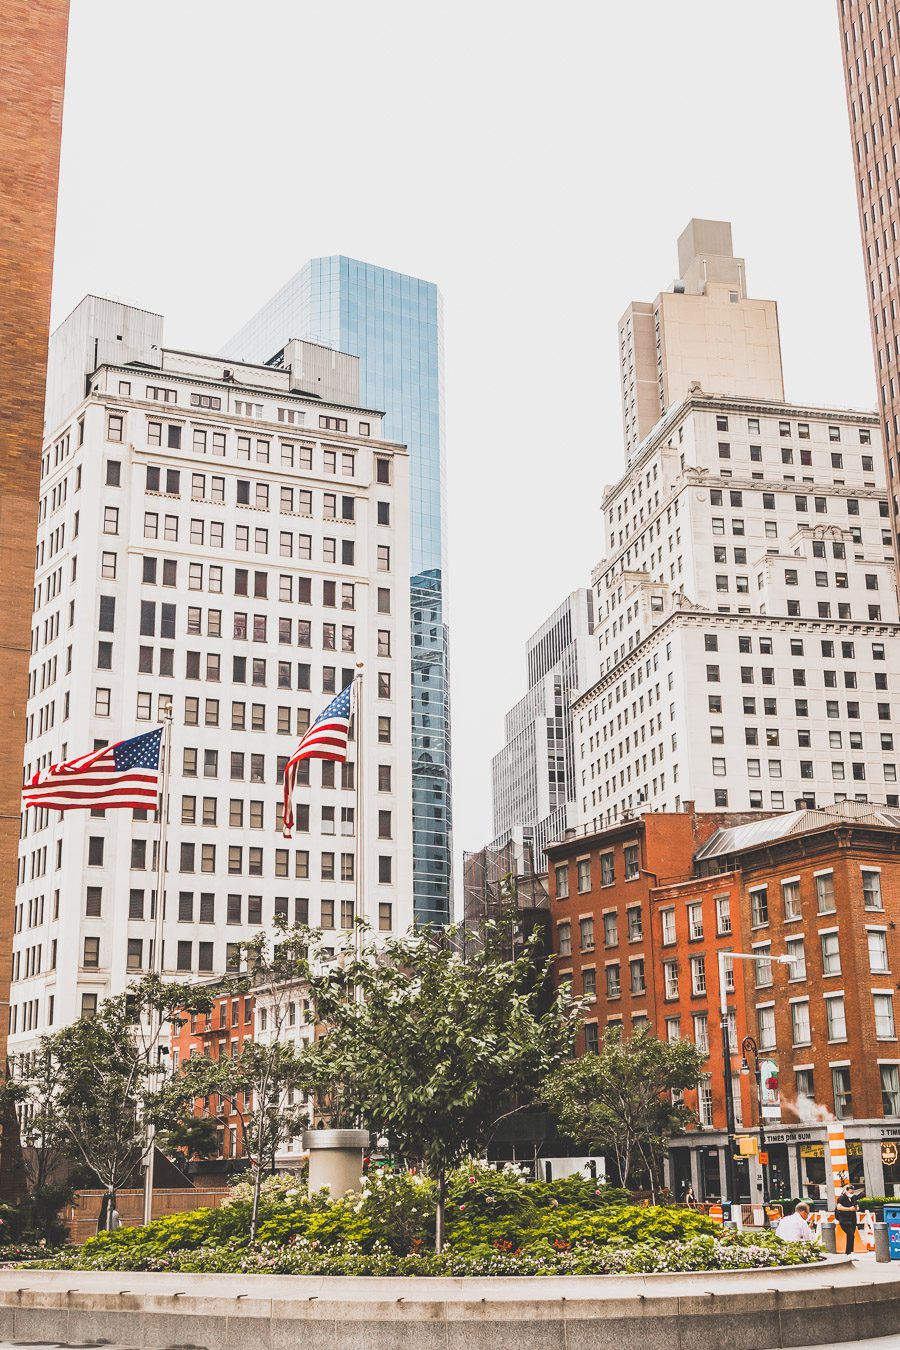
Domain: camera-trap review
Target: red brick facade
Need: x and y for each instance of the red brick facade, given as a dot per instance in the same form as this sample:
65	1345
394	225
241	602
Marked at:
639	914
220	1033
32	71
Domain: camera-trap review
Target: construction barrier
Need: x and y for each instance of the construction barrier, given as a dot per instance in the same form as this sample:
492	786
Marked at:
754	1216
864	1241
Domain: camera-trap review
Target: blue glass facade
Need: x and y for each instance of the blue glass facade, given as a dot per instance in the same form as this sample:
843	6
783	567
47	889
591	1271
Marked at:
392	322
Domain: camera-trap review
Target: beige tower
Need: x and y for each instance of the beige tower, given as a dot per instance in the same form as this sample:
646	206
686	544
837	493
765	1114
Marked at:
703	331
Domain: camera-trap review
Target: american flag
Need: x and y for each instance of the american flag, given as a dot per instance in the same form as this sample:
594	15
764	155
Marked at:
326	739
124	774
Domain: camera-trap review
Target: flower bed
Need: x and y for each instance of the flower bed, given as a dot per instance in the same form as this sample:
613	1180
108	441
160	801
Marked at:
496	1225
727	1251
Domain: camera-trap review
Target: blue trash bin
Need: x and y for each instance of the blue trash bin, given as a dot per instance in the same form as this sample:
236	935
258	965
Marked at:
892	1219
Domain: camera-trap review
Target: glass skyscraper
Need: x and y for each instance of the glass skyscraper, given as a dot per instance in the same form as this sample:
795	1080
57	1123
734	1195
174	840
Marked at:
392	322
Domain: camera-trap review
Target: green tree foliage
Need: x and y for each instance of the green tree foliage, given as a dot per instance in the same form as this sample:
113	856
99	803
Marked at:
96	1087
29	1097
433	1050
625	1099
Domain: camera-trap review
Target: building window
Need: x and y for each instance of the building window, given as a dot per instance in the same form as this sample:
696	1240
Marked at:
638	977
607	869
790	895
759	907
635	925
825	892
831	954
667	919
890	1089
698	974
561	873
795	949
878	952
871	882
836	1018
840	1082
800	1028
586	934
584	875
765	1023
884	1016
632	865
722	914
91	953
564	932
695	921
670	978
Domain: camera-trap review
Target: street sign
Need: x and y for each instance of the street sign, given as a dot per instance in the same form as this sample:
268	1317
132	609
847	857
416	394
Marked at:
764	1159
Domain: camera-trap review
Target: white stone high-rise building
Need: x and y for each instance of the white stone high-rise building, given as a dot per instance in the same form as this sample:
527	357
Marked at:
747	617
746	613
234	538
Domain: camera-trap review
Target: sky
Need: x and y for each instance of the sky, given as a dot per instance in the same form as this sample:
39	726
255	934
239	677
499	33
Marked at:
538	162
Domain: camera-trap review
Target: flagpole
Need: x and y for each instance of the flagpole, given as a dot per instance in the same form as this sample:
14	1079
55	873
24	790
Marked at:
156	964
359	870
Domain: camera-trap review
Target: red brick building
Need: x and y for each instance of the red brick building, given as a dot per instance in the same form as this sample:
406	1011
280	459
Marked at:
220	1033
640	912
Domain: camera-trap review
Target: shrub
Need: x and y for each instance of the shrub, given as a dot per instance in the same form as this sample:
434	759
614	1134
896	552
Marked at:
726	1251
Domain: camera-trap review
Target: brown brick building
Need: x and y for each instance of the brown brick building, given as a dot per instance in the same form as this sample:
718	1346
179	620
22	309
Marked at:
32	71
640	912
219	1033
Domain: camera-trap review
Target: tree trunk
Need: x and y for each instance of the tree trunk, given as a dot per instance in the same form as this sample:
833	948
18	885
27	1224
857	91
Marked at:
439	1213
254	1216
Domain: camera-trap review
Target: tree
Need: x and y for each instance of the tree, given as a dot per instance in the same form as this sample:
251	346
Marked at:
433	1050
28	1105
260	1082
107	1085
625	1099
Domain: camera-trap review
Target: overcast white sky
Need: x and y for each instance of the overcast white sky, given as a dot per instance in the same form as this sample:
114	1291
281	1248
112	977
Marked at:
538	162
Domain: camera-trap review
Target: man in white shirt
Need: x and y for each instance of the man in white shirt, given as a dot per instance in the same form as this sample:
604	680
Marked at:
794	1227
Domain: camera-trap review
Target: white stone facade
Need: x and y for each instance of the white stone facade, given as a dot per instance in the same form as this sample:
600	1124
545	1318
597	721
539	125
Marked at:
212	534
746	617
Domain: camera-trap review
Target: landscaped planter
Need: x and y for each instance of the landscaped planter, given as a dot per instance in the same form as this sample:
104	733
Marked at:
335	1159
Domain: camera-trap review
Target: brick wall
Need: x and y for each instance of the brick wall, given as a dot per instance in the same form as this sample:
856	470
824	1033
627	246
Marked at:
32	71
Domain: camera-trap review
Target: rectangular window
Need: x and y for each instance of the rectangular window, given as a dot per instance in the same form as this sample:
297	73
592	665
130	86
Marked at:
765	1023
836	1018
878	953
759	907
825	892
890	1089
840	1082
871	883
800	1027
884	1016
790	895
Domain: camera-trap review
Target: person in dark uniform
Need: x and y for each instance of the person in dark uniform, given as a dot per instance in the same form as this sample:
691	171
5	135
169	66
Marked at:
846	1210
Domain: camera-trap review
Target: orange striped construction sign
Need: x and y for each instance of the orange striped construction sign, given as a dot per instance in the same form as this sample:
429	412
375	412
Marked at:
837	1152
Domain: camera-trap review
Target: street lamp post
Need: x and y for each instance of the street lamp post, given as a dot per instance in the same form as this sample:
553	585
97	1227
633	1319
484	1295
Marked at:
724	957
749	1047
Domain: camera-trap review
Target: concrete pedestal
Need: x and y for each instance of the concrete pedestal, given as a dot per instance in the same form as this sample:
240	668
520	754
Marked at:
335	1159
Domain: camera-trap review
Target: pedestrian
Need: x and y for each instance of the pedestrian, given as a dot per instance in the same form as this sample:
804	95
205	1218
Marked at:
845	1211
688	1197
795	1227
